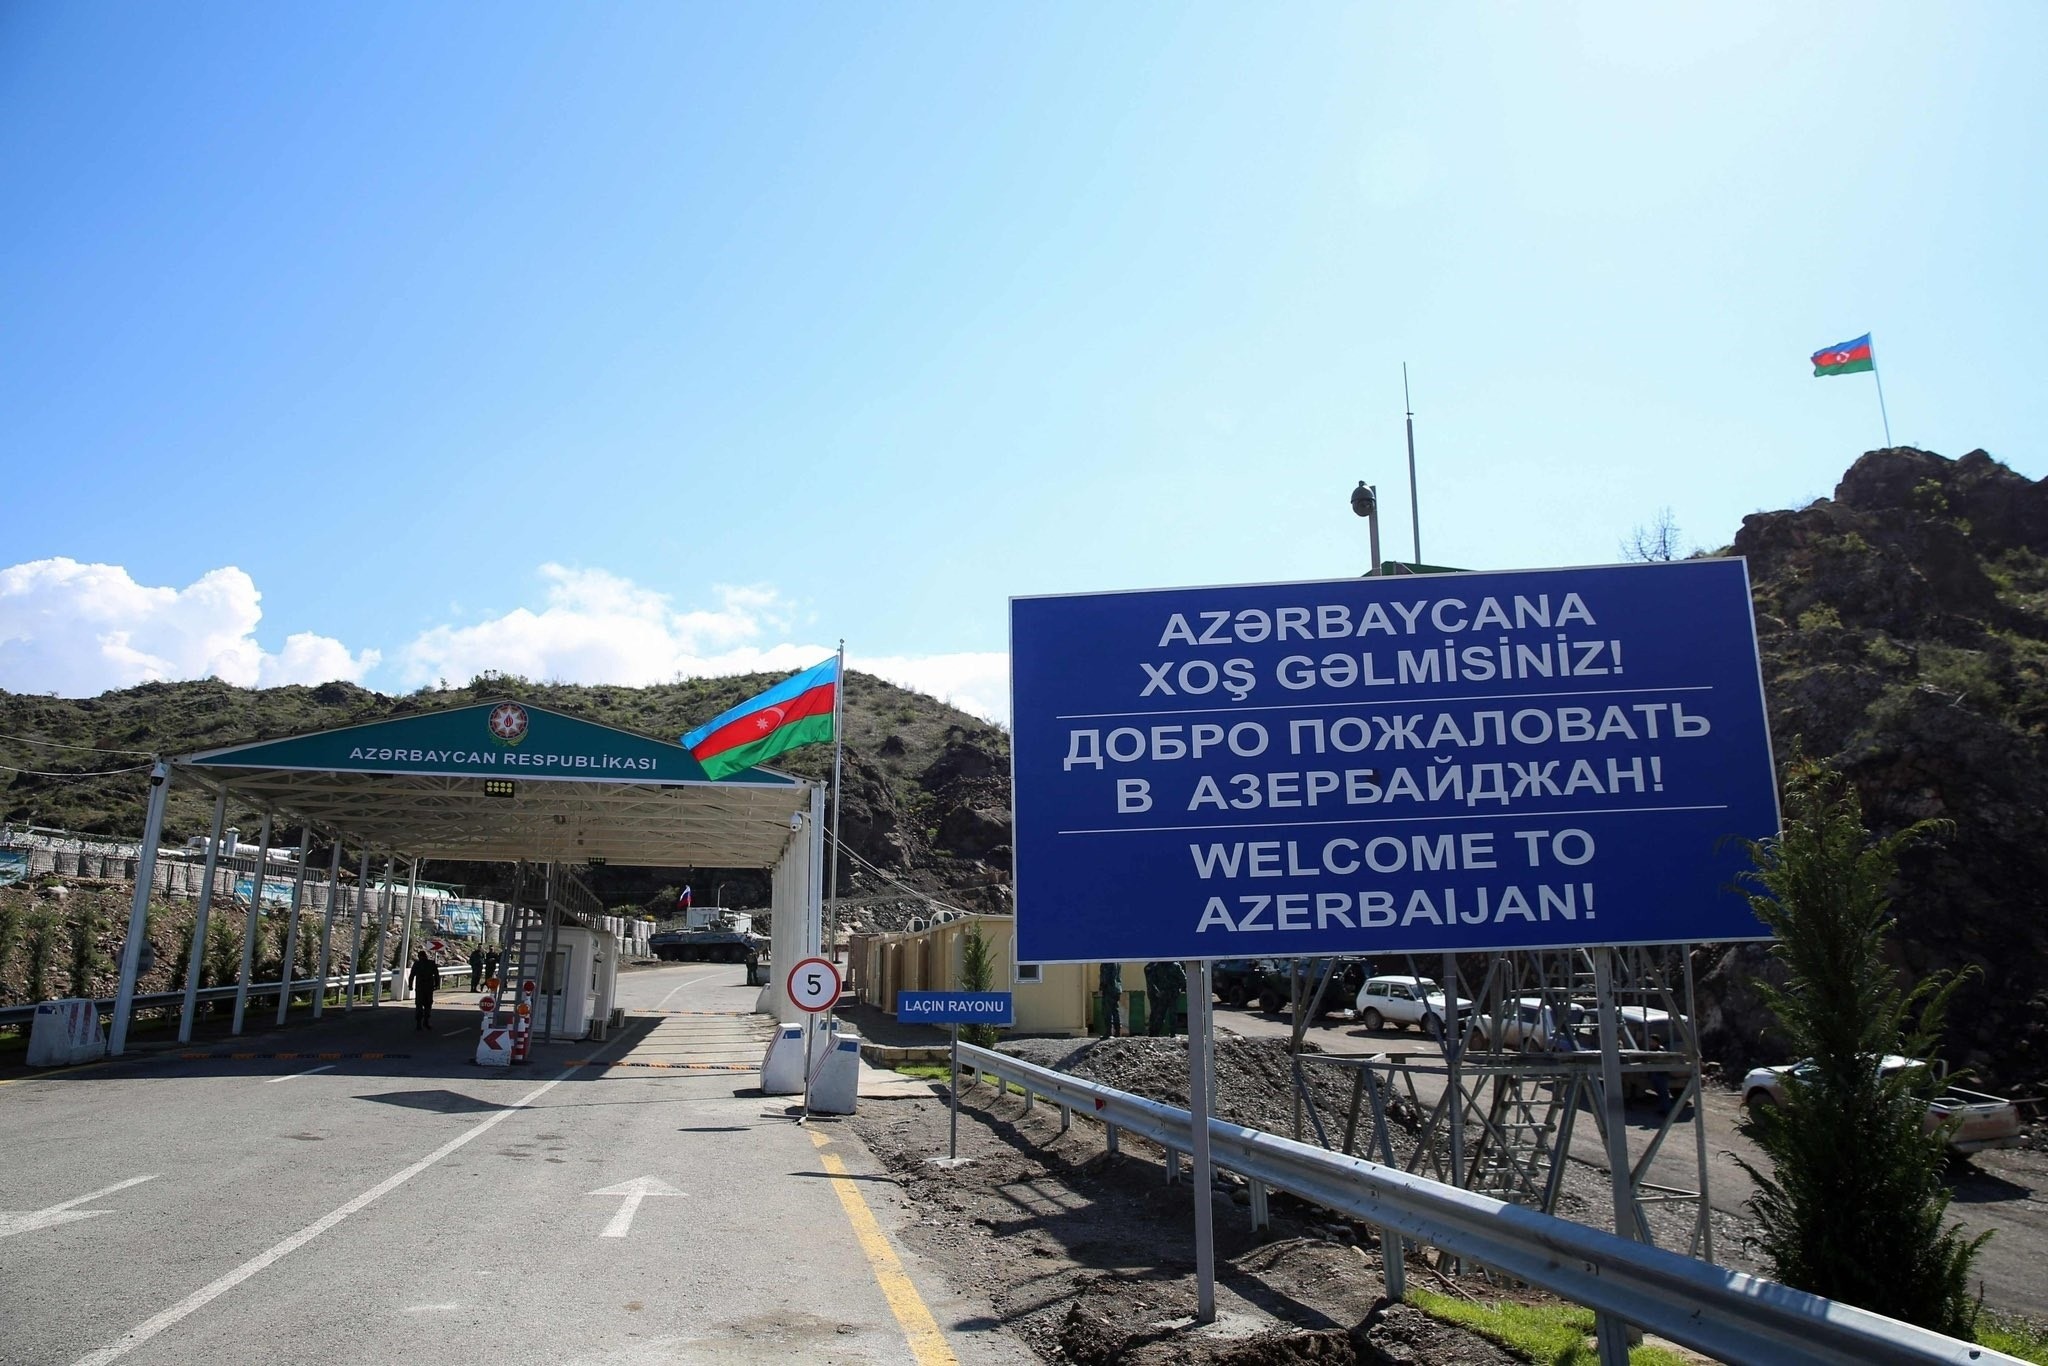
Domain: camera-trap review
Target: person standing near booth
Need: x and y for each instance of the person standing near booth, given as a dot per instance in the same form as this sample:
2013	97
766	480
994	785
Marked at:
425	979
476	967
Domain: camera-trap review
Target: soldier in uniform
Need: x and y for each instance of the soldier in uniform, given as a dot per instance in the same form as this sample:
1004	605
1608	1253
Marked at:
1164	984
1111	983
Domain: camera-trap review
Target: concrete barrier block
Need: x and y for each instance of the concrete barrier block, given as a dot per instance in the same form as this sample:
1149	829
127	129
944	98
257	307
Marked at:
782	1067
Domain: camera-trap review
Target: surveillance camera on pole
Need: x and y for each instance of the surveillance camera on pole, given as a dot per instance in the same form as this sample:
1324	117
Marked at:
1366	503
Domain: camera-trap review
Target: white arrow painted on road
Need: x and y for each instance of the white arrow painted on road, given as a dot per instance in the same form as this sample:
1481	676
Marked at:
636	1190
27	1221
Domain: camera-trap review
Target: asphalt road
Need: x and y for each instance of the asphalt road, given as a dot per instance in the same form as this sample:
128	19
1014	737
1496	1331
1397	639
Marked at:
2004	1192
417	1207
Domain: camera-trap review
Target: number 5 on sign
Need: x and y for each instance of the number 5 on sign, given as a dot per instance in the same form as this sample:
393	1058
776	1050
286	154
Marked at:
814	985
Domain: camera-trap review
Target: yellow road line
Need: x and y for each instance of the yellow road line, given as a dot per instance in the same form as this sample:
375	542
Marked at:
60	1071
927	1344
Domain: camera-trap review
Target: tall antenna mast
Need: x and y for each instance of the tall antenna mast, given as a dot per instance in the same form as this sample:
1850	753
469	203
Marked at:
1414	499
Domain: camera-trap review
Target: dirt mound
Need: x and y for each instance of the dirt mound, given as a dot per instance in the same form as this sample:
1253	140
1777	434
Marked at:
1254	1083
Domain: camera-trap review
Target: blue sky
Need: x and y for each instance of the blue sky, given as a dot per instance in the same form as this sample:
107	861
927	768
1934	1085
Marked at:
610	342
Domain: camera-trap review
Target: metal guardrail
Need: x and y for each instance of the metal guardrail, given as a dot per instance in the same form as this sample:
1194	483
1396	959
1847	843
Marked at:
1729	1315
158	1000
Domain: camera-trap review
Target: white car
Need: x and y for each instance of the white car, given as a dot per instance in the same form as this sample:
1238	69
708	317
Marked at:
1975	1121
1414	1001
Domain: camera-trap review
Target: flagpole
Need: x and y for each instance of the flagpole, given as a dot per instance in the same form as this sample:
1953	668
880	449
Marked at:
838	754
1880	395
1414	498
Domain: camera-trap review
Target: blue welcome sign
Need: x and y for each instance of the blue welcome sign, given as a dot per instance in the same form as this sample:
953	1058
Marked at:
1484	761
955	1007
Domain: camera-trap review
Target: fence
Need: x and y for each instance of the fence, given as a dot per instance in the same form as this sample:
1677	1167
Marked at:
1728	1315
180	874
173	1000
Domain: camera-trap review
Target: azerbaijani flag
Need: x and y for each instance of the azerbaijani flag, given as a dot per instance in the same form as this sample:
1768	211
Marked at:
796	711
1850	358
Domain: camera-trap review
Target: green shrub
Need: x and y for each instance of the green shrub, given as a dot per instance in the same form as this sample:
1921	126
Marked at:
1852	1166
1966	675
1821	617
12	920
42	928
977	973
87	961
223	961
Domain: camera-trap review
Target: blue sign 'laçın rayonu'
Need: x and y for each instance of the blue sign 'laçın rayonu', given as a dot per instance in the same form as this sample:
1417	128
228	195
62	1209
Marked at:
1467	762
955	1007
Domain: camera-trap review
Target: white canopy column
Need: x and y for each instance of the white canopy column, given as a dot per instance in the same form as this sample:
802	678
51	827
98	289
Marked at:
796	903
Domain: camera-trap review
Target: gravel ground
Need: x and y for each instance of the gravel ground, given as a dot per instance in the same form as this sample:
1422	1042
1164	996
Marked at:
1254	1088
1089	1257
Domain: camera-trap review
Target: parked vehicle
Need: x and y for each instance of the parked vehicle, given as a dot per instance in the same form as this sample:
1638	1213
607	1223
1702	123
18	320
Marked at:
725	941
1648	1028
1276	985
1979	1121
1530	1023
1414	1001
1236	980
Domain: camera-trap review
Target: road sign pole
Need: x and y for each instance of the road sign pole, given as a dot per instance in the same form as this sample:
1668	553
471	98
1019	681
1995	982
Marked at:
1201	1058
1454	1048
953	1120
810	1042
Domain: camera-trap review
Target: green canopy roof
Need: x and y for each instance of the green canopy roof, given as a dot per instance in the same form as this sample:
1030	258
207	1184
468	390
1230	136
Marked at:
578	789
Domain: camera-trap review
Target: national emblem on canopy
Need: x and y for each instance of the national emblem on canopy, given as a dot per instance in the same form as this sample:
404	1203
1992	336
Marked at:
508	723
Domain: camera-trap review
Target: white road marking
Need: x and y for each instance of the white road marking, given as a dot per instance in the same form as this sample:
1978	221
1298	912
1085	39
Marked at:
25	1221
672	995
636	1190
323	1067
205	1295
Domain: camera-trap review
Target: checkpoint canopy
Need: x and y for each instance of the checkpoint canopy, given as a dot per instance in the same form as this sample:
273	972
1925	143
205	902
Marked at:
1458	762
579	790
503	781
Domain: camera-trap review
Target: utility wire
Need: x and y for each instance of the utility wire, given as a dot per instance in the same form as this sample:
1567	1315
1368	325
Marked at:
90	749
100	773
920	895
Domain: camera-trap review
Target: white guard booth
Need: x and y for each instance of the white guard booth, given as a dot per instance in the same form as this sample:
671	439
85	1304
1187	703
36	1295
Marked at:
581	978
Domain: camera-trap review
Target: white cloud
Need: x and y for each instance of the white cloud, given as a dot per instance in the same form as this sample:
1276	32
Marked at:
81	629
976	682
596	627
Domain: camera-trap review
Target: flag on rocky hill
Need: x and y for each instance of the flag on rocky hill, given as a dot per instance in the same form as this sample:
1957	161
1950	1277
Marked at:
797	711
1849	358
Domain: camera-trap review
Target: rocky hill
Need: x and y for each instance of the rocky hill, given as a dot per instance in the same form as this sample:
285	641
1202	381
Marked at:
927	785
1904	626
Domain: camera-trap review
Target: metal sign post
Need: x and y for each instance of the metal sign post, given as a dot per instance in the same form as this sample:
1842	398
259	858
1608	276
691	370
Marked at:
953	1009
1201	1064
